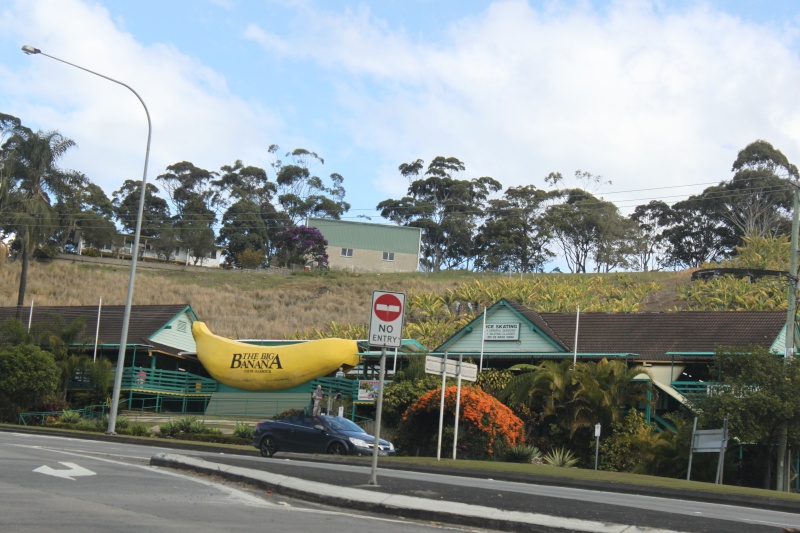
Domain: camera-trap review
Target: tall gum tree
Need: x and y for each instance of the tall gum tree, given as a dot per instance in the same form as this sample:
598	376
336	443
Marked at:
302	194
513	236
446	207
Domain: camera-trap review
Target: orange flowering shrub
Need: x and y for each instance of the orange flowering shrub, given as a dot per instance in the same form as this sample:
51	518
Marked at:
486	426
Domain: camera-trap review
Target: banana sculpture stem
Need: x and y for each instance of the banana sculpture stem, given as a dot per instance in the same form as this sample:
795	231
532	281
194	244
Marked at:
259	368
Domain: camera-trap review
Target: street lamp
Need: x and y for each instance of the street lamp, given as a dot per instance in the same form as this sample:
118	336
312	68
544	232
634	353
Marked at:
123	342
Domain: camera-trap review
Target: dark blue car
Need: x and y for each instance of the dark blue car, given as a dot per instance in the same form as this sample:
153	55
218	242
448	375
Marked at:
316	434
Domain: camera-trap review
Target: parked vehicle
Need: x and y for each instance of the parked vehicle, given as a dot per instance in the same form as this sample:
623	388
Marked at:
316	434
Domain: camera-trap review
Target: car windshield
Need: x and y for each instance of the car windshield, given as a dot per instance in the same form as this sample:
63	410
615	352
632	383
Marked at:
343	424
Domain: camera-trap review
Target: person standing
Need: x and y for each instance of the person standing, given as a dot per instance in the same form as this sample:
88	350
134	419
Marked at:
317	396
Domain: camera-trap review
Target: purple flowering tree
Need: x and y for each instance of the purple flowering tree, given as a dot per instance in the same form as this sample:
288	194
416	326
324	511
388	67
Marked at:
300	245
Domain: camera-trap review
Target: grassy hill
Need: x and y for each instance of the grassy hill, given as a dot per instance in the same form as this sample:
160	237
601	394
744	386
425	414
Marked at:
251	304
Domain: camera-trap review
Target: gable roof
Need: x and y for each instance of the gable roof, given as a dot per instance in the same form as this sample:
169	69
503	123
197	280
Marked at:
145	320
654	336
647	336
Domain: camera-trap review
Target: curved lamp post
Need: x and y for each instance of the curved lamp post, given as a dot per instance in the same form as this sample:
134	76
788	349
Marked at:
123	342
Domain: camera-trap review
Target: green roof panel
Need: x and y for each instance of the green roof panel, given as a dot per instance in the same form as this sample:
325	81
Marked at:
368	236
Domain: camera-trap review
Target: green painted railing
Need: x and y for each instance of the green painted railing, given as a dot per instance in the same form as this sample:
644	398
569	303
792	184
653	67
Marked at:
693	390
143	379
663	424
90	412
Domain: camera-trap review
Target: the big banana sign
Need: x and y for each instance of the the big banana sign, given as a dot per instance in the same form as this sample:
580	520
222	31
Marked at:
251	367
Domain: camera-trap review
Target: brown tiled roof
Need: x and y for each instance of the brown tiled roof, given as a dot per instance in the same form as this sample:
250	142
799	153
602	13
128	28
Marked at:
653	335
690	335
145	320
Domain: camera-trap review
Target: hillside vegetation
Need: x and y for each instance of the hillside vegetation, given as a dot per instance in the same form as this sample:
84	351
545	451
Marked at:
253	304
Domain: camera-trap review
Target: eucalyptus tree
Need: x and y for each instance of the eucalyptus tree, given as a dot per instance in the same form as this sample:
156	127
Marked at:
126	207
758	199
301	194
30	164
445	207
95	224
243	228
649	247
697	232
583	226
68	204
513	236
251	221
195	198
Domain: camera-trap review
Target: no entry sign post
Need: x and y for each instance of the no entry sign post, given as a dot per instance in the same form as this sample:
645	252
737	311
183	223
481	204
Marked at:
385	330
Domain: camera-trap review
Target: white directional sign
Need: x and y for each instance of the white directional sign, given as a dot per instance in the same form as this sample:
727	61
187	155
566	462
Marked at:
72	471
386	320
433	365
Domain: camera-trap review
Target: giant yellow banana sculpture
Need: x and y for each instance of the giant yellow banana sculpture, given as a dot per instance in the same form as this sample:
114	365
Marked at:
253	367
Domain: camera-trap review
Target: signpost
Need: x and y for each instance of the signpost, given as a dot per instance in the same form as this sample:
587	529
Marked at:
385	330
442	367
386	322
709	441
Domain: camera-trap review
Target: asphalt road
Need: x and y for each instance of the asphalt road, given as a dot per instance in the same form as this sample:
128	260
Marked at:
563	499
51	484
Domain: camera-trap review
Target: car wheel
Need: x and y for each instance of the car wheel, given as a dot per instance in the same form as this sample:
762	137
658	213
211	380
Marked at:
337	448
268	447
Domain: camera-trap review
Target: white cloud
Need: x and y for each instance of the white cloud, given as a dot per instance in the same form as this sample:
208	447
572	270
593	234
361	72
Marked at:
194	115
640	94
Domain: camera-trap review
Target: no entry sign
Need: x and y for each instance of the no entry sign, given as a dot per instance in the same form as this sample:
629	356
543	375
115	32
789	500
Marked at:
386	321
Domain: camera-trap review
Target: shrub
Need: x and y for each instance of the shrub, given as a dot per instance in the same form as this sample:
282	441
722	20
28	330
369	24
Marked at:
523	453
191	424
243	430
139	430
560	457
288	412
70	417
121	423
169	428
488	426
87	425
28	377
216	438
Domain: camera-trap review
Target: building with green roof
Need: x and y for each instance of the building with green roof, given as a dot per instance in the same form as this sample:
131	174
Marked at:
367	247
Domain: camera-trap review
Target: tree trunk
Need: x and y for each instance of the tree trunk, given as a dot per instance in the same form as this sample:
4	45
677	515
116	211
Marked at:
23	278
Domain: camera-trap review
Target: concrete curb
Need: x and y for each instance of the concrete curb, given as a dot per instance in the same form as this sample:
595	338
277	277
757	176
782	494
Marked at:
396	505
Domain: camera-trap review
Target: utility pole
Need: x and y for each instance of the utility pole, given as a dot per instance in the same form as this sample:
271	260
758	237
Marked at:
781	480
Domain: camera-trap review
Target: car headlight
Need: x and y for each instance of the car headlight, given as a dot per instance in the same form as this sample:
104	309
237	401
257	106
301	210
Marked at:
360	443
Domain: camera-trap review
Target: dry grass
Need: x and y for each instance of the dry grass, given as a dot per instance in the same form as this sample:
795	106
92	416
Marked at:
234	304
247	304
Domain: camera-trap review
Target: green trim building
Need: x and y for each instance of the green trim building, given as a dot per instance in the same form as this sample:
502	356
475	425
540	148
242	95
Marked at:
367	247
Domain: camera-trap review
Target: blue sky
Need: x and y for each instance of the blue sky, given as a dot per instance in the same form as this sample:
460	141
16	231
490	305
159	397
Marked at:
655	96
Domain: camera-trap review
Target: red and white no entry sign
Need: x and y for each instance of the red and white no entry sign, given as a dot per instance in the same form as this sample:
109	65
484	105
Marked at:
386	320
388	307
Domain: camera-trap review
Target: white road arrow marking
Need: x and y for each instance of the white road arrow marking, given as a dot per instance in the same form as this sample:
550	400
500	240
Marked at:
73	472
